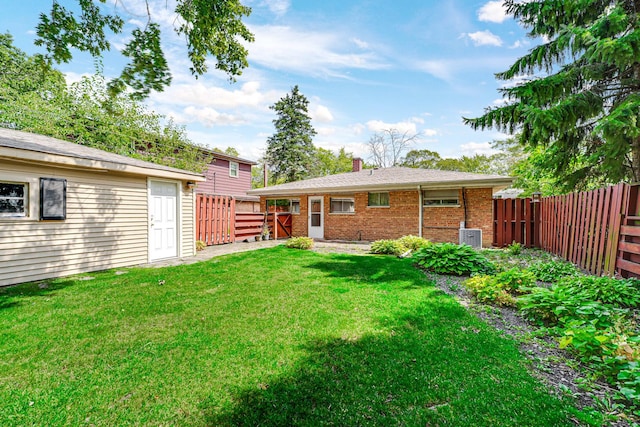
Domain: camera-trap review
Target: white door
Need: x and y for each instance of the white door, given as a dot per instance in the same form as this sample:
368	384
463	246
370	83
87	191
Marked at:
316	218
163	220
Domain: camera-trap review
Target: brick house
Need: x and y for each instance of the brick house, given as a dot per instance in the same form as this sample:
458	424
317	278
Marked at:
388	203
230	176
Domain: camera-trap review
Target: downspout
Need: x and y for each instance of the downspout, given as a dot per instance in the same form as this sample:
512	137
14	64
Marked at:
464	204
420	211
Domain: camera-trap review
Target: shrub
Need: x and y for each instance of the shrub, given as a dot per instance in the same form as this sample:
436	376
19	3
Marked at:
552	271
514	248
389	247
413	242
449	258
488	289
516	280
200	245
540	304
621	293
300	243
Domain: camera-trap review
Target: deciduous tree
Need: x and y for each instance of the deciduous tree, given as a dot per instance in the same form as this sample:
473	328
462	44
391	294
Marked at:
387	147
584	108
210	28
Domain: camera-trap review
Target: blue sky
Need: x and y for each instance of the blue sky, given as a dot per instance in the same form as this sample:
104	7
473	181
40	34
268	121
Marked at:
364	65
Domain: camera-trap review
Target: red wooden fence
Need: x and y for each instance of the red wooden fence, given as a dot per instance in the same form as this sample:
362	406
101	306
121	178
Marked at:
628	261
514	220
215	219
597	230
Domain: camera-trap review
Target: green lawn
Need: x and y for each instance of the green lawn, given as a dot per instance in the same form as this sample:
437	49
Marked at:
272	337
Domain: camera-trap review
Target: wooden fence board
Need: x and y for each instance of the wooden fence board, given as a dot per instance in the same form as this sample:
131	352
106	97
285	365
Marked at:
597	230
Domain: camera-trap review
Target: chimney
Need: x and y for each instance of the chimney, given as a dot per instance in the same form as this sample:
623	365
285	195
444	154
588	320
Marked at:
357	164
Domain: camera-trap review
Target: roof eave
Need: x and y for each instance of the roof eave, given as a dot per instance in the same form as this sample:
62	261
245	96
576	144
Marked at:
58	160
491	182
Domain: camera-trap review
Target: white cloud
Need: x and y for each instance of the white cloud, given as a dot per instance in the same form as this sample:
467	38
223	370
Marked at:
321	114
360	43
441	69
207	117
72	77
307	52
472	148
378	125
492	11
500	102
203	95
278	7
429	132
484	38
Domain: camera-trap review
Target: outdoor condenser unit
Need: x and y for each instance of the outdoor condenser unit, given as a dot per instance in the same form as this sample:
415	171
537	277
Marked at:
471	237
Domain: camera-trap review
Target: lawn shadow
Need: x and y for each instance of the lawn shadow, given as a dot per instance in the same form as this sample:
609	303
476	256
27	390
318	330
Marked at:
373	269
10	296
428	370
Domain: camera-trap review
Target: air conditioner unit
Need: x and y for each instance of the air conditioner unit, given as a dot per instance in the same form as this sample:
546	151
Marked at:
471	237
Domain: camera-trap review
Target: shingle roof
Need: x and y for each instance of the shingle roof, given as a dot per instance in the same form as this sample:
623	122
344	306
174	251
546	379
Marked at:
394	178
44	144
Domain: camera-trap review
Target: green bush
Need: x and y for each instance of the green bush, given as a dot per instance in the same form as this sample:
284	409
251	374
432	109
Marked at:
552	271
488	289
514	248
413	242
449	258
516	280
618	292
300	243
540	305
389	247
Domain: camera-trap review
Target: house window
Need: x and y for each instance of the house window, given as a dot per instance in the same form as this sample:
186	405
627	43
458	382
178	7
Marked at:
342	205
14	199
379	199
233	169
440	198
283	205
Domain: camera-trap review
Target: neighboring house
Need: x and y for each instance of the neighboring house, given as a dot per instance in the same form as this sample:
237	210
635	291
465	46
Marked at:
66	208
230	176
388	203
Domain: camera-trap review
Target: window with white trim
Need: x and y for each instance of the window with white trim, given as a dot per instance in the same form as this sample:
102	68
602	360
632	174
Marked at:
14	199
441	198
342	205
234	169
284	205
379	200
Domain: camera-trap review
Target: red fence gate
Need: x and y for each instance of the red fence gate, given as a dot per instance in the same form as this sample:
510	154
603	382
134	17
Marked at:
597	230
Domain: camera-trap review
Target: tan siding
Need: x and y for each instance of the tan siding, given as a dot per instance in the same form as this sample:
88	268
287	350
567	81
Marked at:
188	224
106	227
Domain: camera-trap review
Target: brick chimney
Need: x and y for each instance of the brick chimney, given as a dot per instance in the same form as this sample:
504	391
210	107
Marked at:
357	164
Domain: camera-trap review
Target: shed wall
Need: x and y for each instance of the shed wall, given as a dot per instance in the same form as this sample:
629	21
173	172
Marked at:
106	225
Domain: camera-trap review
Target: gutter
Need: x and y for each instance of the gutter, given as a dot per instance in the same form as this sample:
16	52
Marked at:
420	210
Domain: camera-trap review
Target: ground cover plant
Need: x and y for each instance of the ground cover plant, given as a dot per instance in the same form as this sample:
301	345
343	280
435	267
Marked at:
593	318
271	337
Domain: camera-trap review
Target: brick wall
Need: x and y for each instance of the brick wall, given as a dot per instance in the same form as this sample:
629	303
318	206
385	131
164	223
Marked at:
441	224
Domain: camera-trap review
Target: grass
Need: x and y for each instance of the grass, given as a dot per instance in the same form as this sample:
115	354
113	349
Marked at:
272	337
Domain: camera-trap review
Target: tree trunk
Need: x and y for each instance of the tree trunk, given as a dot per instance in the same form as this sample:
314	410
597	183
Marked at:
635	160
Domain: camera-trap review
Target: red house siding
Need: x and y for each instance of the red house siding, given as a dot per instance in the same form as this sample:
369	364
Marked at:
440	224
219	182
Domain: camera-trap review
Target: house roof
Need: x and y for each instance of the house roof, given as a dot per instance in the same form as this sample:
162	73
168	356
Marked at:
35	148
225	156
384	179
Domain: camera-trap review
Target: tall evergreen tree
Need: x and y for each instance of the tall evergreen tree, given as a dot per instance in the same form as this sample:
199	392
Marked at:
585	110
290	150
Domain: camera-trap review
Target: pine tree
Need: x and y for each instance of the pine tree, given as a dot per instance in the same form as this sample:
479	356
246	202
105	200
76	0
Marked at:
290	150
584	110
